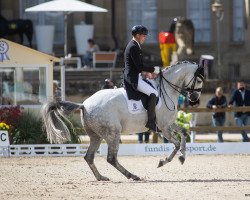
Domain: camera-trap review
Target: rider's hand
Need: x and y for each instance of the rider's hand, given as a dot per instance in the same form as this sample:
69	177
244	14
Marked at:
154	76
157	70
149	75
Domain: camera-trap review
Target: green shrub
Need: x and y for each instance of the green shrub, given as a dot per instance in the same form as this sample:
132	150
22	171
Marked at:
29	129
183	120
178	136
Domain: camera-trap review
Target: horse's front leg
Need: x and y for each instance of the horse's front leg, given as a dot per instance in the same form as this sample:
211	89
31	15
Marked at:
184	134
171	138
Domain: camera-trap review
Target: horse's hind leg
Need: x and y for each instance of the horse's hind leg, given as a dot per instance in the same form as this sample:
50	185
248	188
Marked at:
171	138
113	146
95	142
184	135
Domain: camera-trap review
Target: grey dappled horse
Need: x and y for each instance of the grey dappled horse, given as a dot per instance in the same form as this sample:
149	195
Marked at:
105	116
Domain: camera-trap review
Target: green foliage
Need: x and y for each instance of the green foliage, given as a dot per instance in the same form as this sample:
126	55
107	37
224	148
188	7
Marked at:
178	136
183	120
28	130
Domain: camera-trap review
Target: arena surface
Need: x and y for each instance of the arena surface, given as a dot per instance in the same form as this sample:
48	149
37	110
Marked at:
201	177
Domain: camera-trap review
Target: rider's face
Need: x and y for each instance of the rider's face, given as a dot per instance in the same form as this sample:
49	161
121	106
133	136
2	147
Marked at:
141	38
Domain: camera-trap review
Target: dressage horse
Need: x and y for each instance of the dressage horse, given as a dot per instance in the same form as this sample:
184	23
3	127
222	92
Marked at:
105	115
17	26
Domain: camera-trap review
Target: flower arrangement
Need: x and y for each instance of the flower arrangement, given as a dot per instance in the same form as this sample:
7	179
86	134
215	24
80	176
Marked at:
25	127
4	126
183	120
10	115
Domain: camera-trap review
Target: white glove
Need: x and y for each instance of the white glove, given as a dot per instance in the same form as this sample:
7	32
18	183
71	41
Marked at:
157	70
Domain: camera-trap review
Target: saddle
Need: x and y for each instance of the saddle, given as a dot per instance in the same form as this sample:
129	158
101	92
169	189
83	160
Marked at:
138	103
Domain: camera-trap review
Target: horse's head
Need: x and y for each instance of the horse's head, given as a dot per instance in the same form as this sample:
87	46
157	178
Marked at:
185	77
193	84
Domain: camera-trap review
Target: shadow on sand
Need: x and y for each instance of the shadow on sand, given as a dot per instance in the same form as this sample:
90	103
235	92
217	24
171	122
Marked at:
178	181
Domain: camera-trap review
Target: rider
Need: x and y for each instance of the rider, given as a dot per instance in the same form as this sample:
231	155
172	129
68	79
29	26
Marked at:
133	79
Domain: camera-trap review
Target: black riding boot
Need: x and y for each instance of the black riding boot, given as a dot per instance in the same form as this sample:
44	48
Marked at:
151	113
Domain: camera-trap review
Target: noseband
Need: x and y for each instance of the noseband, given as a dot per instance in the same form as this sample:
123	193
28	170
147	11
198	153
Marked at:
198	73
182	90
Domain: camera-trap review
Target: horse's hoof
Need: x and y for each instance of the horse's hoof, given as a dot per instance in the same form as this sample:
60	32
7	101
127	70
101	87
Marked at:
182	159
103	178
161	163
136	178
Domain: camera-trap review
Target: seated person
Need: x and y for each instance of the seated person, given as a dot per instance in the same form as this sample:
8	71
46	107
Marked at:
88	57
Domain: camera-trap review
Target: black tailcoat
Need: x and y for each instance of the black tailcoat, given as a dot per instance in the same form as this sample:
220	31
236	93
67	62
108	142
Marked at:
133	66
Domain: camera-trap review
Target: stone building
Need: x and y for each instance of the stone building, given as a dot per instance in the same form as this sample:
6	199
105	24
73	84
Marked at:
156	15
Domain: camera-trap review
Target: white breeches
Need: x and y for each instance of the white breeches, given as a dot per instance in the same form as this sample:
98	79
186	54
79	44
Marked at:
146	88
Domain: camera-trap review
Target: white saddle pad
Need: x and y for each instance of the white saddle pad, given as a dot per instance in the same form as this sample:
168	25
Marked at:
136	107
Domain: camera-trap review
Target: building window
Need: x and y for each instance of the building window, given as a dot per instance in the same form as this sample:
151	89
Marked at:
234	70
238	20
44	18
143	12
23	85
199	11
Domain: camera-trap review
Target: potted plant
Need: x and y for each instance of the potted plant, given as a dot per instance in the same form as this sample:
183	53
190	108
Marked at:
82	33
4	139
45	38
4	127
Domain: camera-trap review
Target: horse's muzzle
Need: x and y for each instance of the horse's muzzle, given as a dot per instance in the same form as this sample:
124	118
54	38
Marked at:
194	96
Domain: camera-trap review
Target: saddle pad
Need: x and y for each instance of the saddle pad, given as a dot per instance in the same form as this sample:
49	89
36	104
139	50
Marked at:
136	107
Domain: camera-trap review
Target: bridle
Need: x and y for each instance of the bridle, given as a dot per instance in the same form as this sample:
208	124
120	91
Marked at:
181	90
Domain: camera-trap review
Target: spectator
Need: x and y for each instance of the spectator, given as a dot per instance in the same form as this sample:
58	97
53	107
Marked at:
108	84
56	90
146	137
88	57
218	118
181	101
241	97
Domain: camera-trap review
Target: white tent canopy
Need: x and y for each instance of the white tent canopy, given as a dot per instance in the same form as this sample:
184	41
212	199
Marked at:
65	6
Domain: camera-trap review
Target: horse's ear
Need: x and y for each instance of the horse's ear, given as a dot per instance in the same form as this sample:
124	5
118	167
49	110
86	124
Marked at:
202	63
200	72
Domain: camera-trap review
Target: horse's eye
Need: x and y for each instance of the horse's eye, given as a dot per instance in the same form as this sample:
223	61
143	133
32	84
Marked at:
199	82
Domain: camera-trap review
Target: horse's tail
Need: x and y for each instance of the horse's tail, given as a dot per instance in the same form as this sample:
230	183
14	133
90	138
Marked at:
54	117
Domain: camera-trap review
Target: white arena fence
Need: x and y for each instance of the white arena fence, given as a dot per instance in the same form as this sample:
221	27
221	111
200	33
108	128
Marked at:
125	149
